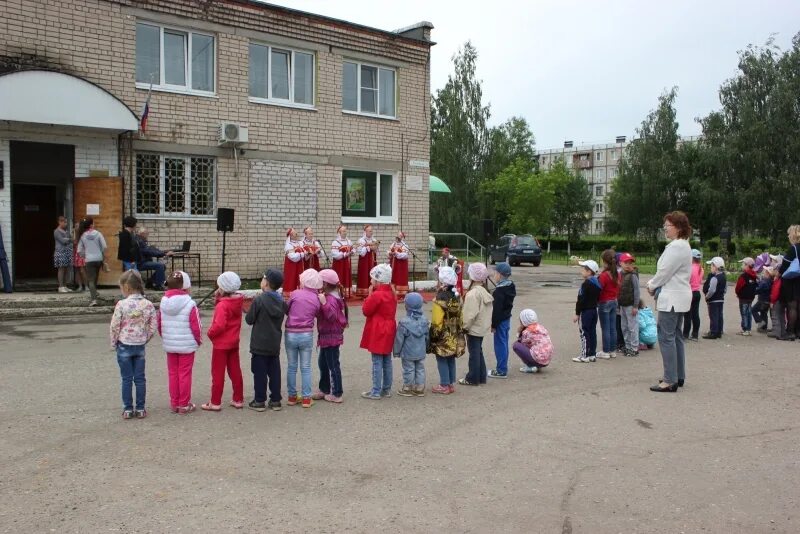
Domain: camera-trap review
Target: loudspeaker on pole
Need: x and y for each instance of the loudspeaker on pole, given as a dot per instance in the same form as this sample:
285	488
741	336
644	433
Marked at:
224	219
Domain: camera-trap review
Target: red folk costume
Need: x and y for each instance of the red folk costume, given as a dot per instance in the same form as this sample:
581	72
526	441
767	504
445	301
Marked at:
367	259
292	265
341	252
312	250
398	260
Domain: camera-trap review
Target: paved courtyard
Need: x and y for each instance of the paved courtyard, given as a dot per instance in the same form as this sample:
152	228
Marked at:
578	448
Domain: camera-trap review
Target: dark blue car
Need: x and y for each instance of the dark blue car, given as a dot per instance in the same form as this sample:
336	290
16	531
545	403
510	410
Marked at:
516	249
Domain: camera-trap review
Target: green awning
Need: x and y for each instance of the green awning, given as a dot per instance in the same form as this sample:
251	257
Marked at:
437	185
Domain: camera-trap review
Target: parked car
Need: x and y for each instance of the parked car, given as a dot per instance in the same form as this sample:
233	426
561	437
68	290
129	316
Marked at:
516	249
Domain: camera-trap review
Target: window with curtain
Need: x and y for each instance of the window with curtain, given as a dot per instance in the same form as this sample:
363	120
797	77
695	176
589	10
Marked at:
174	59
369	89
368	196
281	75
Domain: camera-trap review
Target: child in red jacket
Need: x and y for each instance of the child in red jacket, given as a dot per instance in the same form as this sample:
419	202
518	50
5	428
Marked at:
380	309
224	335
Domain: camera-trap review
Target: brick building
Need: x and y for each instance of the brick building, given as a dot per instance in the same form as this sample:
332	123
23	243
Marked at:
323	120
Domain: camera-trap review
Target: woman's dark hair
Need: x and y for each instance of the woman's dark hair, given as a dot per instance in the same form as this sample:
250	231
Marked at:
133	281
609	259
130	221
88	222
175	280
82	226
679	220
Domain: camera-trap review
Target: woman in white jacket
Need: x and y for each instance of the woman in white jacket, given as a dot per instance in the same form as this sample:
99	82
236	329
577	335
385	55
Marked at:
670	286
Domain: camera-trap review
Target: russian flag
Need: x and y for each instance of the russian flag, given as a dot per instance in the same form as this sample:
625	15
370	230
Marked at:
145	111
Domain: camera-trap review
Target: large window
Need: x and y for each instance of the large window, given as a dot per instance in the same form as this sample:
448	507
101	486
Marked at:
598	156
368	195
174	59
368	89
281	75
175	185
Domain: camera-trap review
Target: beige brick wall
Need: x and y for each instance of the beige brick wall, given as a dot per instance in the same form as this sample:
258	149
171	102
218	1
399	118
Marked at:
95	39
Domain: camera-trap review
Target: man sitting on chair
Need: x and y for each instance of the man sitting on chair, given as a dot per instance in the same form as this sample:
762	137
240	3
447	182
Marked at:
147	259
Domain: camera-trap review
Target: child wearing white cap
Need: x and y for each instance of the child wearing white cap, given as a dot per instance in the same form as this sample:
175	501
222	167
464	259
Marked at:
533	346
714	290
586	311
380	309
226	325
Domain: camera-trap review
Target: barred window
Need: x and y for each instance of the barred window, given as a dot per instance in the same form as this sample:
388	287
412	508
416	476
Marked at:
175	185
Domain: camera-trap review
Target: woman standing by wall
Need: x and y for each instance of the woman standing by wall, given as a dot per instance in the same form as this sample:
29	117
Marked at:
342	252
293	262
62	256
92	248
670	286
367	259
398	260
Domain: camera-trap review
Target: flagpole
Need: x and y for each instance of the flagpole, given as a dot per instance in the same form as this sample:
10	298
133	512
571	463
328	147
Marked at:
146	109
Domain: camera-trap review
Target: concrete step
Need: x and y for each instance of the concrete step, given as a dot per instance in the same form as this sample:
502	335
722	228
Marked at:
25	313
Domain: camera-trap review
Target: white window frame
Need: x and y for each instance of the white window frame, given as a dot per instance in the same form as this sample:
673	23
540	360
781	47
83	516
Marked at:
614	155
612	173
598	156
598	190
187	53
162	193
395	218
376	115
598	207
280	101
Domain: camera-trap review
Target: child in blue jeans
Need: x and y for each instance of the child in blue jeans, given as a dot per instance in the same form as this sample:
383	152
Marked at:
503	303
132	325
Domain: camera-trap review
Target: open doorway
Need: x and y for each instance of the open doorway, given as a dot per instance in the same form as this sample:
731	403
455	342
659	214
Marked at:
41	182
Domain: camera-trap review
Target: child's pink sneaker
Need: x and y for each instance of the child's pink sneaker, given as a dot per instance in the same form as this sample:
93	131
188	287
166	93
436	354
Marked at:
333	398
237	404
318	395
189	408
443	390
452	388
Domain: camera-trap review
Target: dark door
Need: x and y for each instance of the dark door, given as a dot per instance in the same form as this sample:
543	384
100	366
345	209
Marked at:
35	214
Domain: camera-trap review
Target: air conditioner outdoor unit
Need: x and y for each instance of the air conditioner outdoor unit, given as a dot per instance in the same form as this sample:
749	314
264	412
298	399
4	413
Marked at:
232	132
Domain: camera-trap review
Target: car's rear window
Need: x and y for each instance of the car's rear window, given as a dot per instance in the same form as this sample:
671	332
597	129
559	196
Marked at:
525	241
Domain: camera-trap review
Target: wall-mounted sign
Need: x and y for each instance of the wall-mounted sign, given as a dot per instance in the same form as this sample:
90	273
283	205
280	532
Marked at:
414	183
419	163
31	207
92	209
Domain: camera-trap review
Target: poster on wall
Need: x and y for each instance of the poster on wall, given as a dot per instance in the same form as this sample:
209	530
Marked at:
92	209
356	194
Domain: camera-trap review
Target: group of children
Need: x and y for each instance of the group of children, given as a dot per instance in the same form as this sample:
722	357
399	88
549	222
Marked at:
612	296
457	324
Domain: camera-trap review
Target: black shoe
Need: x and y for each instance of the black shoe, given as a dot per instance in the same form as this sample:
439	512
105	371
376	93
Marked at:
257	406
275	406
711	336
669	389
786	338
680	382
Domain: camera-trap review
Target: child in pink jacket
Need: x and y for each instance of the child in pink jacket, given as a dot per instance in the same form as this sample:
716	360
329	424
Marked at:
181	333
534	346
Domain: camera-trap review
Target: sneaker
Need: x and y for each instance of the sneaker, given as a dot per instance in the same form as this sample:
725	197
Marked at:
257	406
584	359
386	393
603	355
275	406
526	369
709	335
307	402
747	333
452	388
127	414
93	303
238	405
442	390
419	391
693	338
208	407
141	414
292	400
189	408
333	398
369	395
405	391
63	290
318	395
494	373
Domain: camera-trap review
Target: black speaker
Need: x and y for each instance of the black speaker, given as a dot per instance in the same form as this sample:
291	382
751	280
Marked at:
488	227
224	219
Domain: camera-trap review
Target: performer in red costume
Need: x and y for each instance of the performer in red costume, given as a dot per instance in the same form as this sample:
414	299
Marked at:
342	251
294	254
367	259
398	260
313	249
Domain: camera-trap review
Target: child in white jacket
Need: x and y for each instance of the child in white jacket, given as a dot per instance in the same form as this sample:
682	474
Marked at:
181	333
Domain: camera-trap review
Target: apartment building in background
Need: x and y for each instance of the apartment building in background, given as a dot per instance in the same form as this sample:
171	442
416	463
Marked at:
289	118
599	166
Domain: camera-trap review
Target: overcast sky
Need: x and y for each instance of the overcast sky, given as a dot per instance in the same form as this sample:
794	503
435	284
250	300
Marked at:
585	70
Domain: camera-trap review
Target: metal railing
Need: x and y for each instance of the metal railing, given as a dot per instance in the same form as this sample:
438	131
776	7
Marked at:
471	248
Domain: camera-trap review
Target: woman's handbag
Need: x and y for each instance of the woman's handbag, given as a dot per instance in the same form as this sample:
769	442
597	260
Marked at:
794	268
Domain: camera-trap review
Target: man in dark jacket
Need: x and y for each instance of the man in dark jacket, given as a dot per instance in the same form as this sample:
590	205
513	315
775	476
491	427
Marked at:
147	256
502	305
128	252
266	316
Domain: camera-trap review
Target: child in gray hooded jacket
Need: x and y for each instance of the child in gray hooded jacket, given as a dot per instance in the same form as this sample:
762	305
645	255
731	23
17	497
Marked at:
411	345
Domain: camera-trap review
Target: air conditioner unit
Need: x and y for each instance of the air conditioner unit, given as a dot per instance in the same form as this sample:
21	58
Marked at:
232	132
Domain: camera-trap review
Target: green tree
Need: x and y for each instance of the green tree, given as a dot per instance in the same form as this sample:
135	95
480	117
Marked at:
459	144
652	179
572	202
525	196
